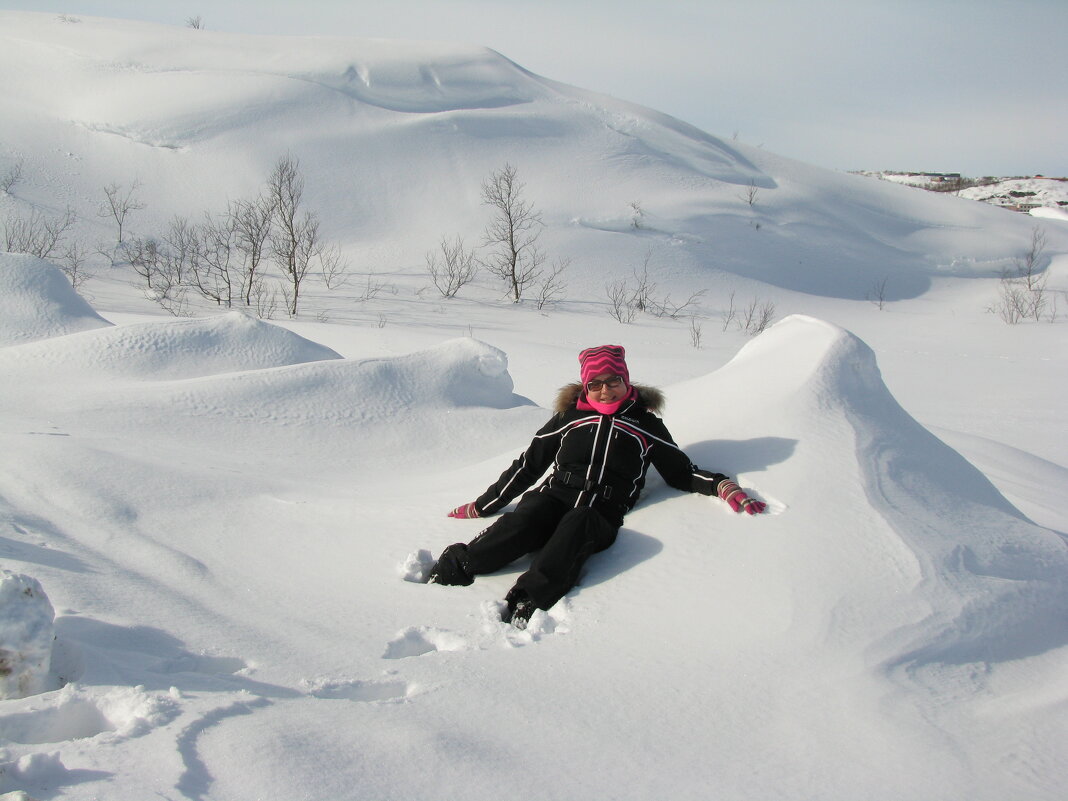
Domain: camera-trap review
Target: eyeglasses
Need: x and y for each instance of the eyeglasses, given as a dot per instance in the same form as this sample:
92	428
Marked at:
615	382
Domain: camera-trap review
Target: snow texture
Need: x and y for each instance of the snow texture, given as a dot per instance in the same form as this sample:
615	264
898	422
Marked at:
233	517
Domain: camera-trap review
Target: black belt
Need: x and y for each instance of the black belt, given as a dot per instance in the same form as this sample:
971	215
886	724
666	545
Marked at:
579	482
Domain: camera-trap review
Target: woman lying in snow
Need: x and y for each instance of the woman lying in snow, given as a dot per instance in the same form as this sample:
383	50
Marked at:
600	443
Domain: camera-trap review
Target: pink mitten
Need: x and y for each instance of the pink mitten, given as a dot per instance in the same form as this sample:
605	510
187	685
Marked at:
738	500
465	512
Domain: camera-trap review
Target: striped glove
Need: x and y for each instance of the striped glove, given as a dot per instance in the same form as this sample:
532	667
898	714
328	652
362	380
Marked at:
738	500
466	512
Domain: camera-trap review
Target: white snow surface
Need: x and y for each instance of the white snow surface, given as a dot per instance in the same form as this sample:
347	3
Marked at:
224	511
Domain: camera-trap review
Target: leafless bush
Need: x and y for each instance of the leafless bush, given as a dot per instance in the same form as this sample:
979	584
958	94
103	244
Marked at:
750	194
264	300
73	265
637	216
669	308
196	23
730	314
12	177
757	316
39	234
642	296
1022	291
620	304
695	332
152	261
455	268
552	286
877	294
372	287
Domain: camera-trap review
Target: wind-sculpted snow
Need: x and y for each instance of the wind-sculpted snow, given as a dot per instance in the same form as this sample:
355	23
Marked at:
158	351
972	578
37	302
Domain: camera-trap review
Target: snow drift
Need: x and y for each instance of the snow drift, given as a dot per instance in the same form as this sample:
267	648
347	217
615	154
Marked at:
37	302
982	582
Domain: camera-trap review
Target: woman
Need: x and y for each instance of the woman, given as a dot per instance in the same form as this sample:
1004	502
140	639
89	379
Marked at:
599	444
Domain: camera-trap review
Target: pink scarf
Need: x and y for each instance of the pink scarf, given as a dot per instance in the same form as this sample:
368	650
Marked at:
588	404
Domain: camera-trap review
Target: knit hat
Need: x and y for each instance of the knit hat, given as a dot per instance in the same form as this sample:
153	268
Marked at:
604	359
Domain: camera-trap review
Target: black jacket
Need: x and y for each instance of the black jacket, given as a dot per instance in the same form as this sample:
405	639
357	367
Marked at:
600	460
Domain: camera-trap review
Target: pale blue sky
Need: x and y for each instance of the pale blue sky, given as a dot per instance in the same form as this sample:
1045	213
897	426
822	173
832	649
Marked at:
972	86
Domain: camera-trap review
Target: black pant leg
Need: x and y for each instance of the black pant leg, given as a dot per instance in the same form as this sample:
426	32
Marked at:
580	533
516	533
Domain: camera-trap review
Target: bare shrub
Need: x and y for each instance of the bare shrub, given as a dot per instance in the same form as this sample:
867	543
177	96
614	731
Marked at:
669	308
12	177
877	294
730	314
695	333
39	234
620	305
552	286
453	268
757	316
1022	290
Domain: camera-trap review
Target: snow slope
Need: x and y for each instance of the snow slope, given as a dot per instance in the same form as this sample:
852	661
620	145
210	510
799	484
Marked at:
825	637
222	511
399	137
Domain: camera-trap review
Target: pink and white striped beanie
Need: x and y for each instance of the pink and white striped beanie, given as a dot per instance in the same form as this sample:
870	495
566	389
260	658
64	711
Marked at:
604	359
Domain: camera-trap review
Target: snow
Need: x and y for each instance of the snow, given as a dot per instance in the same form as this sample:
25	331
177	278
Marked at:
229	517
26	635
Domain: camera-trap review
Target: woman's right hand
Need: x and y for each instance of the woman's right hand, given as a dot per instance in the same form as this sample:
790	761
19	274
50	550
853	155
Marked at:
465	512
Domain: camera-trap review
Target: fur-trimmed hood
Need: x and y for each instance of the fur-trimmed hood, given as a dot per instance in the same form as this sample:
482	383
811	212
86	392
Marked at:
649	397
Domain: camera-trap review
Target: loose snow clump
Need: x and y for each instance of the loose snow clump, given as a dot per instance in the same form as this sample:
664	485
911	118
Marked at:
26	635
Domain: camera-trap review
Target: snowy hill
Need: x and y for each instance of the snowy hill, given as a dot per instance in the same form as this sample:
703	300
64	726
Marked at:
390	133
222	510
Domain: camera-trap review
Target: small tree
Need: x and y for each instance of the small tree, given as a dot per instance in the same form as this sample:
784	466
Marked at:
119	203
196	23
512	233
251	220
296	243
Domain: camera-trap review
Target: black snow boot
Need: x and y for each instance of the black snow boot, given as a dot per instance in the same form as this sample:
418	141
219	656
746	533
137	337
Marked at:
452	567
519	608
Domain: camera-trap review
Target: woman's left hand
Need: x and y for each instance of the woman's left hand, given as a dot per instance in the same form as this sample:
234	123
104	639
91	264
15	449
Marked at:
738	500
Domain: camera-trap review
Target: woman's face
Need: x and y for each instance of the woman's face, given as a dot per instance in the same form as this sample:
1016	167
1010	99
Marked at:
606	388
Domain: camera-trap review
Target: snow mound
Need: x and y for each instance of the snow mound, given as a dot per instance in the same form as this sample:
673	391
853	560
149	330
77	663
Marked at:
412	412
968	577
174	349
1050	214
37	302
26	634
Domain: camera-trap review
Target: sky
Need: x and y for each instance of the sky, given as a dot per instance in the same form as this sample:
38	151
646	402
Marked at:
970	86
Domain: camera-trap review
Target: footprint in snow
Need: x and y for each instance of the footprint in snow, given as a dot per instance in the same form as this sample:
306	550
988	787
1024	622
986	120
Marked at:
364	691
493	632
